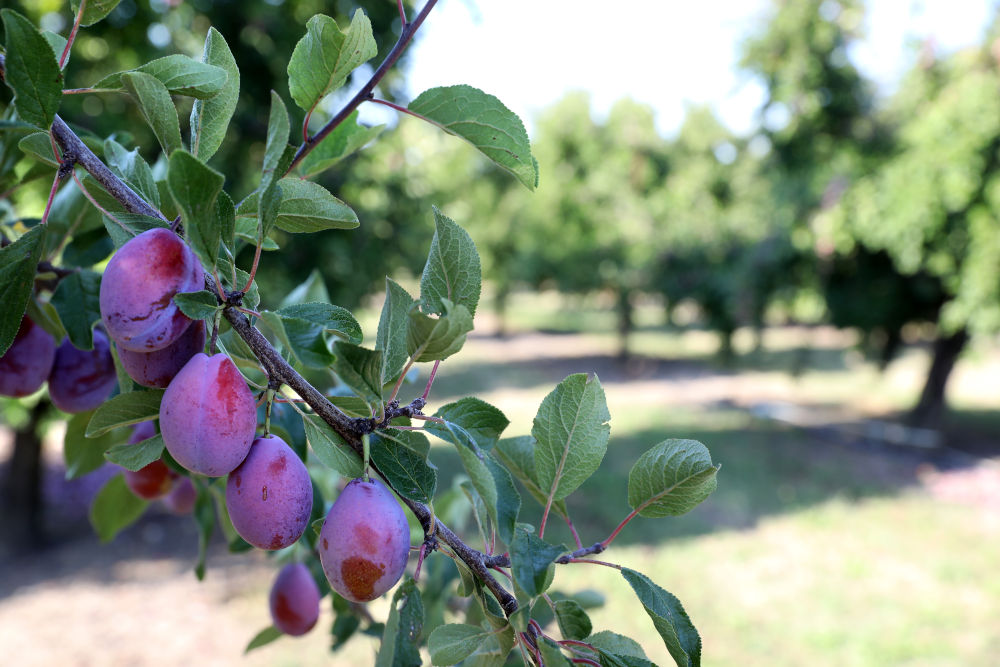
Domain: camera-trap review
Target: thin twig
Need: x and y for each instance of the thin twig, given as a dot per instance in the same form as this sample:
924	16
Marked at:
72	34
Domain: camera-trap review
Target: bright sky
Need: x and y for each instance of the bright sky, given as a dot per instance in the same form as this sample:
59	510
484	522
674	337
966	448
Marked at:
665	53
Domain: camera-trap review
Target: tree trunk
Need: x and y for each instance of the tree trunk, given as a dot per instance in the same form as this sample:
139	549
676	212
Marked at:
625	324
500	309
22	489
931	407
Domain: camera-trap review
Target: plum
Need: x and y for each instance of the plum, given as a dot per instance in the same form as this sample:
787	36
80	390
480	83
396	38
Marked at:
81	380
138	288
158	368
365	541
28	361
154	480
181	498
269	496
208	416
294	600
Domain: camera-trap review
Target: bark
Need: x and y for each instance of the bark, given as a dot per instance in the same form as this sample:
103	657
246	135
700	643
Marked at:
22	487
930	409
625	321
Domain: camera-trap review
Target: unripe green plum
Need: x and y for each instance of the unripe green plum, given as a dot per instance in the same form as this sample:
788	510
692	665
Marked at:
269	495
81	380
157	368
28	360
294	600
208	416
138	288
365	541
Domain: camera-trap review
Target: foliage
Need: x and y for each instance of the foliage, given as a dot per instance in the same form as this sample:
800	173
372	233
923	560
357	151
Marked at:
51	270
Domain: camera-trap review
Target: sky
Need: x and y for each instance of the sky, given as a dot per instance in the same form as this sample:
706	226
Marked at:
665	53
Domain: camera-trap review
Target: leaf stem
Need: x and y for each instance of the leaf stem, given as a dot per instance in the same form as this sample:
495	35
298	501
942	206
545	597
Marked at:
403	109
399	382
409	29
72	34
52	196
595	562
572	529
611	538
430	380
402	13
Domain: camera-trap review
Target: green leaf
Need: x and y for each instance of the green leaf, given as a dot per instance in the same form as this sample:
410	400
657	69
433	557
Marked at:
81	454
306	330
452	643
396	454
452	271
518	456
325	56
431	339
359	368
58	44
508	500
668	615
571	432
225	220
311	289
671	478
263	638
392	328
305	207
125	409
210	118
39	146
115	508
94	11
620	649
484	122
180	75
77	300
130	167
551	655
156	107
126	226
573	620
345	139
46	316
137	456
483	422
31	70
331	449
530	558
200	305
18	263
195	187
277	139
246	230
494	651
401	637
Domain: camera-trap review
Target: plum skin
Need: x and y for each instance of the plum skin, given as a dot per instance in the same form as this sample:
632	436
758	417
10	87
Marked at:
154	480
180	499
294	600
157	368
28	361
365	541
269	495
138	288
208	416
81	380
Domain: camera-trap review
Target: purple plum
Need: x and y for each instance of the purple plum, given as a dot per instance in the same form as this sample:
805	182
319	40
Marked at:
138	288
154	480
365	541
269	496
294	600
28	361
208	416
81	380
158	368
181	498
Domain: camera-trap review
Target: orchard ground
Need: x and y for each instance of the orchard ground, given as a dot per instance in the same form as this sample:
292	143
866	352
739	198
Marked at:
827	542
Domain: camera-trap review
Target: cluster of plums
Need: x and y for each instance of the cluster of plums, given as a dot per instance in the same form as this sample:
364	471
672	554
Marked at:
79	380
208	422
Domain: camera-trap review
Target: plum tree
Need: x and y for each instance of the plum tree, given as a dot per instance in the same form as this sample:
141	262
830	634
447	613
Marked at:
208	416
138	288
294	600
154	480
180	499
28	361
157	368
269	495
365	541
81	380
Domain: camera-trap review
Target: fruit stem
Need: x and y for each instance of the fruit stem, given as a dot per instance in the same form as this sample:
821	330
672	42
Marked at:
367	448
267	411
